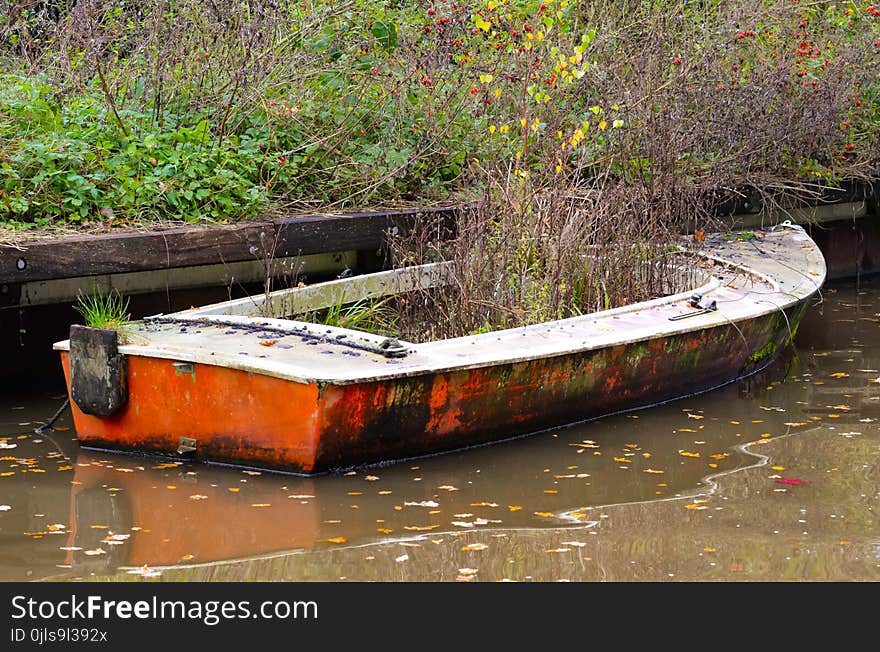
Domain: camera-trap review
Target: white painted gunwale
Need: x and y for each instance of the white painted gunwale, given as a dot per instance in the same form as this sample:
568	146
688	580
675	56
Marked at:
774	283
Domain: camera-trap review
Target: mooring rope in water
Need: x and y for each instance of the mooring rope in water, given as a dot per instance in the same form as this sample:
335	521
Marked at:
51	422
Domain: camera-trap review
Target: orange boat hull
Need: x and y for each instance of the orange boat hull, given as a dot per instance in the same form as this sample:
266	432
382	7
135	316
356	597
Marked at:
252	420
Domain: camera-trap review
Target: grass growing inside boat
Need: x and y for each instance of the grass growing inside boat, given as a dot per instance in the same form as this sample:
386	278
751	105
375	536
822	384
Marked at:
541	249
377	316
103	310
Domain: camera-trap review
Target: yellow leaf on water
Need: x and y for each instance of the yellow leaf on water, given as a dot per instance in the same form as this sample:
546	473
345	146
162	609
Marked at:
420	528
261	504
622	459
778	468
337	540
688	454
475	546
551	550
514	508
551	491
384	530
839	374
484	504
652	471
234	489
709	550
544	514
695	506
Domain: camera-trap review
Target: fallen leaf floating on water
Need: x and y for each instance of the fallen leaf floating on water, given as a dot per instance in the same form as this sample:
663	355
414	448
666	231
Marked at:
709	550
268	342
514	508
544	514
261	504
474	546
695	506
688	454
197	497
145	571
424	503
336	540
301	496
484	504
652	471
839	374
447	487
384	530
371	478
552	550
467	571
778	468
790	481
420	528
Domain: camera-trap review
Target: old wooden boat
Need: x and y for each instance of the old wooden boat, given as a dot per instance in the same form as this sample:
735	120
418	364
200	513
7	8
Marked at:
224	384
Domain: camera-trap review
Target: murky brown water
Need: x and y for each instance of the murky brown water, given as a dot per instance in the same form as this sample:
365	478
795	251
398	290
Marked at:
775	478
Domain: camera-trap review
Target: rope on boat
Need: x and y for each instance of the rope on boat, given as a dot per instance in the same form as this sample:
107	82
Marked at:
51	422
390	347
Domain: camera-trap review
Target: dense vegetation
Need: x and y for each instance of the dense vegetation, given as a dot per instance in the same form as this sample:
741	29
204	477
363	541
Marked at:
215	110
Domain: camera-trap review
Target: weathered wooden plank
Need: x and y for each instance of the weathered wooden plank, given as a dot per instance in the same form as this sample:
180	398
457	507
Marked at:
359	231
88	255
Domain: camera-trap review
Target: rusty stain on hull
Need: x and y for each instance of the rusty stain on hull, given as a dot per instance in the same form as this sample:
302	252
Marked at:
324	410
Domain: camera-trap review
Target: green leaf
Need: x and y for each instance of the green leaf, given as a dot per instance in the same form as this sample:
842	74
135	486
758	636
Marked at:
386	34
